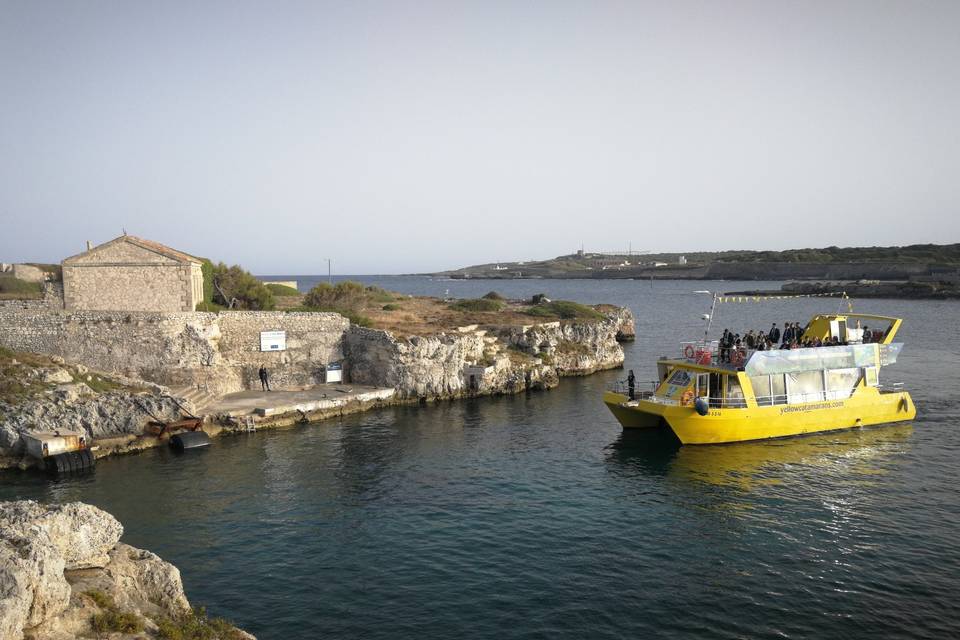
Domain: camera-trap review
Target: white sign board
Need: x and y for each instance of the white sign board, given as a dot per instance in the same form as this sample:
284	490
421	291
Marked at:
334	373
273	341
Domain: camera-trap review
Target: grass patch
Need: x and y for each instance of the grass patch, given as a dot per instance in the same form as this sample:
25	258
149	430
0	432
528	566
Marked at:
282	290
565	310
97	383
195	625
210	306
114	620
100	599
355	317
390	307
13	289
478	305
18	382
493	295
111	618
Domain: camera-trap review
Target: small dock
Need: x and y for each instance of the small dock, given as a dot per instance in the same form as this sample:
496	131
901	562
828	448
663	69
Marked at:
286	407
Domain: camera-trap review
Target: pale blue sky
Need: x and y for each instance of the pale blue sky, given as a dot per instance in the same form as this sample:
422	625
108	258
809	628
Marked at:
413	136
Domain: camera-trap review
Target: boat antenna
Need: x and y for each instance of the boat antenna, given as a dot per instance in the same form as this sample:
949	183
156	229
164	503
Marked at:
713	307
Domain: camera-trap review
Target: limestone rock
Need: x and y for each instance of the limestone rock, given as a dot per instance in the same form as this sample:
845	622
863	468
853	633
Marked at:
83	534
52	555
143	581
32	585
55	376
74	407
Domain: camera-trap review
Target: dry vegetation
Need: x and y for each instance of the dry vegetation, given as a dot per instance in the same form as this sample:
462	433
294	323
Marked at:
409	315
22	377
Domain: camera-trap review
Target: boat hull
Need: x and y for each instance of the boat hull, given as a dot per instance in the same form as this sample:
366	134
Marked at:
866	407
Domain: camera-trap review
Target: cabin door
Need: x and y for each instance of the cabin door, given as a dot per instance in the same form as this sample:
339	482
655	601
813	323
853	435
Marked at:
716	390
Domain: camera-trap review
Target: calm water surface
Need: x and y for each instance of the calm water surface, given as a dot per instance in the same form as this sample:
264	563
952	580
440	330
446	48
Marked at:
535	516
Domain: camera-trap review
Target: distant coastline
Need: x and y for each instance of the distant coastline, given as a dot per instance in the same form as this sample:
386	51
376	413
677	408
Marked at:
906	289
927	266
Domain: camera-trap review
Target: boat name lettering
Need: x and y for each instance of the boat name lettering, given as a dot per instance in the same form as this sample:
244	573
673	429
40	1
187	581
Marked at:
811	407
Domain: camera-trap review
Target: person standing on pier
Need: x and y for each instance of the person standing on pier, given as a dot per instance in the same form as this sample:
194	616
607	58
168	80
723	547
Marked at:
264	379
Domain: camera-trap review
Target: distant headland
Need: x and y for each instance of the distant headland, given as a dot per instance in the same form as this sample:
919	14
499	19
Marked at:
918	263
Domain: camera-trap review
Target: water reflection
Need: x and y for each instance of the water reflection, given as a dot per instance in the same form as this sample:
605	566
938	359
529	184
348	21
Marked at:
750	465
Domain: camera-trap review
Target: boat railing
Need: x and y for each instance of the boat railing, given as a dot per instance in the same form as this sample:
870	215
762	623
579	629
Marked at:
641	389
700	351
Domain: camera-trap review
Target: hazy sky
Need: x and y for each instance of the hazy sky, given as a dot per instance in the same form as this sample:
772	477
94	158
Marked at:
410	136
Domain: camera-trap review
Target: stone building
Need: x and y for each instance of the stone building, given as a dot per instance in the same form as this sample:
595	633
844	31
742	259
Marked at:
132	274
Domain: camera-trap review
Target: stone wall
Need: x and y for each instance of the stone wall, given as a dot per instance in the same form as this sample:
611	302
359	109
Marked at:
221	351
216	351
52	300
28	273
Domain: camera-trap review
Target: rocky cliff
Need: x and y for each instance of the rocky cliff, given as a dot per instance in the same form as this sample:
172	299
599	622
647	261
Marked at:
475	361
39	393
65	574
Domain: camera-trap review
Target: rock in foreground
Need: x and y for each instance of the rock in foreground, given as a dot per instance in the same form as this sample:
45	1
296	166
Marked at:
64	574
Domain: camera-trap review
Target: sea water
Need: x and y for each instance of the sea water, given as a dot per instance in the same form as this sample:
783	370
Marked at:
536	516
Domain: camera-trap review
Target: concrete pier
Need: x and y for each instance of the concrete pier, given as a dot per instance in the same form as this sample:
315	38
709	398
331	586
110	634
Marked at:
320	401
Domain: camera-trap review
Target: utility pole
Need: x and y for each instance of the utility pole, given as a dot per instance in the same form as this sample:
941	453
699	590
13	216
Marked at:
329	273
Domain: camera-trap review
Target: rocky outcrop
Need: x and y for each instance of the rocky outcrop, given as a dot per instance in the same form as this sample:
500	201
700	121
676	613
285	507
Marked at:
63	565
477	361
579	347
74	406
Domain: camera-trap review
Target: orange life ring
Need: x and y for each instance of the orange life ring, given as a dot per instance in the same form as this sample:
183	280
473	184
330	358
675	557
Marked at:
688	351
687	398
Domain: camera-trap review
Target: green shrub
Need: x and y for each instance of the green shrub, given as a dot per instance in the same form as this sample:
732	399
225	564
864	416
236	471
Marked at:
210	306
565	310
477	305
391	307
346	294
206	268
493	295
100	599
239	286
355	317
195	625
113	620
282	290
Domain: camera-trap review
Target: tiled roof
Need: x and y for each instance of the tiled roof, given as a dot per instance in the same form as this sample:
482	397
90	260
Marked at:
161	249
149	245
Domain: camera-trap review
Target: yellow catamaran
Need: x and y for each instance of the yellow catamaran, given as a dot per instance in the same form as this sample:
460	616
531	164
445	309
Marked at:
774	393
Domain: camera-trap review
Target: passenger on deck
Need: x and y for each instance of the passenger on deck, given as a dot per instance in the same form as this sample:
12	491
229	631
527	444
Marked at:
774	334
867	335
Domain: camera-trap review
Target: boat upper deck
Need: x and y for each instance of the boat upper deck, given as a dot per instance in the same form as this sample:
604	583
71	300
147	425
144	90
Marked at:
831	341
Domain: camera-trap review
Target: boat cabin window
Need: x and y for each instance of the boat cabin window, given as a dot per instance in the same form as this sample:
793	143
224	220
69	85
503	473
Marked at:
734	397
778	389
870	374
761	390
680	378
841	382
804	386
703	385
769	390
